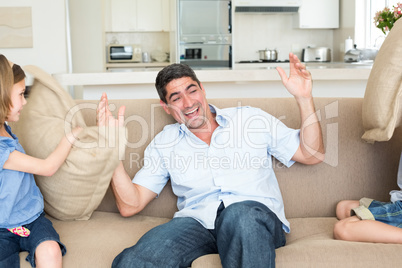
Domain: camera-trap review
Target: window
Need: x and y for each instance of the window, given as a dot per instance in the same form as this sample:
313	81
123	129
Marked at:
366	34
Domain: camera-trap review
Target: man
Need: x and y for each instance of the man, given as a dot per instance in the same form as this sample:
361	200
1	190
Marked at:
227	203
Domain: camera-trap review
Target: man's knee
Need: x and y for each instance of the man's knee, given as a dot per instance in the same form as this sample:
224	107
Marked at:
239	211
247	213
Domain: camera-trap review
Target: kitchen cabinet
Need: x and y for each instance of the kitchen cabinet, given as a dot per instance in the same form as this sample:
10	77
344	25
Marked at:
317	14
138	15
123	15
153	15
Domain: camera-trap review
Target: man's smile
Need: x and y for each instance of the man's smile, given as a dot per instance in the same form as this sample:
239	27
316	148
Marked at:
191	112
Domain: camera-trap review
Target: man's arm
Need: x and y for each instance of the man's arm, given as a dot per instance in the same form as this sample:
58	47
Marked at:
130	198
299	84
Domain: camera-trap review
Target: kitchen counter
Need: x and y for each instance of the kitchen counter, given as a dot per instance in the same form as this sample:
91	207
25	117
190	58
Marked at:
135	66
243	80
309	65
240	72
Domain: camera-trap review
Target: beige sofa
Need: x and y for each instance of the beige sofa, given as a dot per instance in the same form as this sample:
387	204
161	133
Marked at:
353	169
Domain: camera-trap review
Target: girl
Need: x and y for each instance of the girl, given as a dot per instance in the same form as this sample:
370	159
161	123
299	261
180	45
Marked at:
23	226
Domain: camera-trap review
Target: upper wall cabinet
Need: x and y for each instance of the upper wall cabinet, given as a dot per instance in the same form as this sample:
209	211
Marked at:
138	16
317	14
122	15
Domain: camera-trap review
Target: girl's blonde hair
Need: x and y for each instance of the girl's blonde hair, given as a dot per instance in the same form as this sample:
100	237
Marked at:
6	84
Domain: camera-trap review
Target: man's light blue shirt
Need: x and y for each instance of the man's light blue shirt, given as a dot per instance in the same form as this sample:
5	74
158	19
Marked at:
235	167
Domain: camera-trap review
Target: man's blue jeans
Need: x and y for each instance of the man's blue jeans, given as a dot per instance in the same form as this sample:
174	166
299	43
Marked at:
246	234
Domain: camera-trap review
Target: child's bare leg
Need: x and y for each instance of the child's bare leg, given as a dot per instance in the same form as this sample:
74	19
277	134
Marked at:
48	254
344	207
354	229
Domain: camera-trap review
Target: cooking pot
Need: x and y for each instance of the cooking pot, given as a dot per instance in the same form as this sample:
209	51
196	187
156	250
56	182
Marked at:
268	54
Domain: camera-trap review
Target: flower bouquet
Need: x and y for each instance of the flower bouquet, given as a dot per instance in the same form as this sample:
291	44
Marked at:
386	18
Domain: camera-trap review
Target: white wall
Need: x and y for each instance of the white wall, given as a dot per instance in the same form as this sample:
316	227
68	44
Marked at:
49	50
347	12
87	35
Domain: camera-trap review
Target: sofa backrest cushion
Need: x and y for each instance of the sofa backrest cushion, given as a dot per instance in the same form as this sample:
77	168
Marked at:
382	105
352	169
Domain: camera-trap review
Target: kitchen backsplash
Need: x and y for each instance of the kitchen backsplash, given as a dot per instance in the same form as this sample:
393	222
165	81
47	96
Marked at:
253	32
149	41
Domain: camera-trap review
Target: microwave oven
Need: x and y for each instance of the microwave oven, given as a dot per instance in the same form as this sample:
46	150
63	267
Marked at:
124	53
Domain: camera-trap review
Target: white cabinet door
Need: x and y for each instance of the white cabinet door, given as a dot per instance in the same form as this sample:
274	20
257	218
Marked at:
138	15
149	15
166	5
317	14
123	15
153	15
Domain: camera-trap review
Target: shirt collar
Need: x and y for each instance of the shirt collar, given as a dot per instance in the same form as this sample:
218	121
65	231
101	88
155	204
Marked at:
221	117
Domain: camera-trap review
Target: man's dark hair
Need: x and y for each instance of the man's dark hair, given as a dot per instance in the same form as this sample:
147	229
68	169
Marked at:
172	72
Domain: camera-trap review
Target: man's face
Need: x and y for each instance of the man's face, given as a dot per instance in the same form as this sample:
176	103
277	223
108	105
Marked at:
186	102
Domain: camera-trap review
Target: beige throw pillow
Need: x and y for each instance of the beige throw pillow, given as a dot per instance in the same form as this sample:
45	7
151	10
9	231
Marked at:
382	104
78	187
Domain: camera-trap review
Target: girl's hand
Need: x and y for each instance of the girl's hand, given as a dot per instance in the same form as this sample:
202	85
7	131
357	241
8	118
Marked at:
72	136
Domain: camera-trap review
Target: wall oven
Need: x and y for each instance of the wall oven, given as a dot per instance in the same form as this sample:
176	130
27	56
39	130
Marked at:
205	33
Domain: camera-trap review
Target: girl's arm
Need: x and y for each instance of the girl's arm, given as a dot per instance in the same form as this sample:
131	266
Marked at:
44	167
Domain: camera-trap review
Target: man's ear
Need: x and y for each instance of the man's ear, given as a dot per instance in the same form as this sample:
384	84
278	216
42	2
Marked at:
165	106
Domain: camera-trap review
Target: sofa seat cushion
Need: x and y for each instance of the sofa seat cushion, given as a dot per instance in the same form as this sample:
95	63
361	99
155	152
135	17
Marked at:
311	244
96	242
